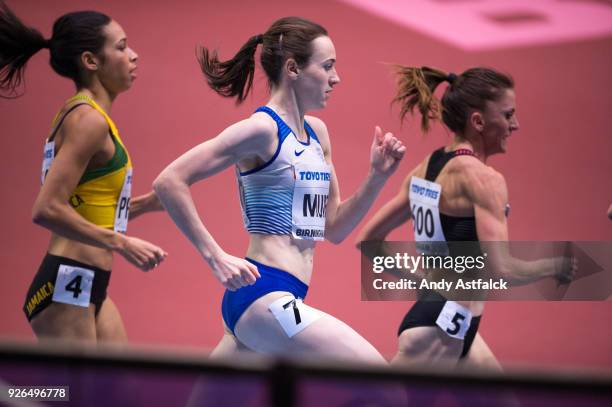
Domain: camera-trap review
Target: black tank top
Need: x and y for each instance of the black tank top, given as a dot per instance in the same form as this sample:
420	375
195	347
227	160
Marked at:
456	229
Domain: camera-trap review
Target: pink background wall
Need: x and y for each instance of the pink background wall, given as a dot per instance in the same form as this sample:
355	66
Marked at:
558	166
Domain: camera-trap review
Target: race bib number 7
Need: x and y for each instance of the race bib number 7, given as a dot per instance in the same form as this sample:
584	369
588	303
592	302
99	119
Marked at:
292	314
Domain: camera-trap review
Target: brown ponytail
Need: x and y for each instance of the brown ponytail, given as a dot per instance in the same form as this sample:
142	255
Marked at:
416	87
288	37
467	92
235	76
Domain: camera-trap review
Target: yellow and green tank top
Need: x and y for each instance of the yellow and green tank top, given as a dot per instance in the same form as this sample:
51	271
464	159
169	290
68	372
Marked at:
102	195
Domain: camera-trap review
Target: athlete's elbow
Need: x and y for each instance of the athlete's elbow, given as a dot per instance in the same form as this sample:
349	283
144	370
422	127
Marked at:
163	184
334	240
366	236
502	269
38	216
360	238
44	214
334	237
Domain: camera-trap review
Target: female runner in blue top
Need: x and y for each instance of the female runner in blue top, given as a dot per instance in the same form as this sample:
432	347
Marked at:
289	195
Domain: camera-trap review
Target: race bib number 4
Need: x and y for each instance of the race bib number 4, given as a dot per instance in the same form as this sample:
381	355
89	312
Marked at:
454	319
123	204
73	285
292	314
310	195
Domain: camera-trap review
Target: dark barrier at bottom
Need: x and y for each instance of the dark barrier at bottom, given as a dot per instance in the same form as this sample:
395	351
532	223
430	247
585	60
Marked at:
112	377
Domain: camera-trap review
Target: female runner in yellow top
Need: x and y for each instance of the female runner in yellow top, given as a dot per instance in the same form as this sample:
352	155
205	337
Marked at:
86	176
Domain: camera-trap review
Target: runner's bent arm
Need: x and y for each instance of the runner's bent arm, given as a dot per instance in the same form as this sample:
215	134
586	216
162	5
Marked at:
343	216
487	189
85	133
241	140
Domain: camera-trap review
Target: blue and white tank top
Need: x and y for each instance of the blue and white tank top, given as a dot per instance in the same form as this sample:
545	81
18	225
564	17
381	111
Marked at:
288	194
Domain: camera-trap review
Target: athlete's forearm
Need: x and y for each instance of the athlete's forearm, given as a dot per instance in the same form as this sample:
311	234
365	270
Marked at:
392	215
372	231
64	221
176	198
522	272
514	270
143	204
351	211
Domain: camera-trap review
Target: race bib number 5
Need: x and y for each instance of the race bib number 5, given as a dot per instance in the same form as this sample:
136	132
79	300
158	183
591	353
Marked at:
310	195
123	204
73	285
454	319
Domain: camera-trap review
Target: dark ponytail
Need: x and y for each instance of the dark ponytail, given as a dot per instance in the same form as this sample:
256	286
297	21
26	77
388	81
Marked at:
288	37
73	34
468	91
17	45
235	76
